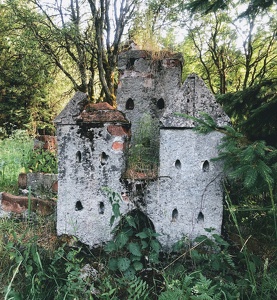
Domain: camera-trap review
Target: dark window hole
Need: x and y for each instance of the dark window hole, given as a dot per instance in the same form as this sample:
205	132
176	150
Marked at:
79	205
104	158
177	164
130	104
131	62
200	217
140	189
78	157
160	103
174	215
205	166
101	208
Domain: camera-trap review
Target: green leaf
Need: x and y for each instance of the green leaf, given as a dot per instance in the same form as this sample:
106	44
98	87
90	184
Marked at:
116	210
142	235
144	244
110	247
113	264
134	248
123	263
155	245
130	273
121	240
138	266
112	220
135	258
130	220
154	257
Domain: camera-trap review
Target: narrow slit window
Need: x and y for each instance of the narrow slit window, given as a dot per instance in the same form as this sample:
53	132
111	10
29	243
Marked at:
174	215
101	208
78	156
206	166
200	217
104	158
178	164
130	104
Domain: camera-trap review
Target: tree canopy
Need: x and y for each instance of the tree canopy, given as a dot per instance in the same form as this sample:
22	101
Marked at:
230	44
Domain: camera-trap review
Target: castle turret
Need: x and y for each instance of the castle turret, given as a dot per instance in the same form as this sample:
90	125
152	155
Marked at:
91	144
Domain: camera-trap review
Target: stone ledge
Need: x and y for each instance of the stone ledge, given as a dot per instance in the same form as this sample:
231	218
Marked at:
19	204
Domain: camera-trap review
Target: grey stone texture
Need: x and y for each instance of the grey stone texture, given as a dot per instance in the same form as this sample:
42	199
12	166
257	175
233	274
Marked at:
185	195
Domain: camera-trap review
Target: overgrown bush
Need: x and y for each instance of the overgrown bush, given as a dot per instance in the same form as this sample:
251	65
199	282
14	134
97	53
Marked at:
135	246
43	161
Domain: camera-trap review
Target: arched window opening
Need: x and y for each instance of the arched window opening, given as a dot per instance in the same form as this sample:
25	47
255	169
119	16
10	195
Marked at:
101	208
78	205
141	220
206	166
174	215
200	217
160	103
130	104
178	164
104	158
78	156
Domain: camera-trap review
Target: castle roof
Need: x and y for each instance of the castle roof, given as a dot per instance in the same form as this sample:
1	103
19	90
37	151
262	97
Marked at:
101	113
193	99
78	110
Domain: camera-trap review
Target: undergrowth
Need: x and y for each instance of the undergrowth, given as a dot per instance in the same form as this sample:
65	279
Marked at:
17	154
14	156
240	264
35	264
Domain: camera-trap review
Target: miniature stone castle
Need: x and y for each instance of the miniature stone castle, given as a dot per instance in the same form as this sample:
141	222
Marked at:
180	193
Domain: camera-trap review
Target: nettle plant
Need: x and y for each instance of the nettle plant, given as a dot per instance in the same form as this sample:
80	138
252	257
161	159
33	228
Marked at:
135	245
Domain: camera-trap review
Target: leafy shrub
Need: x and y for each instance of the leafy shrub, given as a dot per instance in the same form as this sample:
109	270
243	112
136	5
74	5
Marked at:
43	161
36	275
135	245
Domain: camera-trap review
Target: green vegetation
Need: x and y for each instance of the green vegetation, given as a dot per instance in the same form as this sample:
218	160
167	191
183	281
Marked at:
14	157
241	264
18	156
143	156
35	264
43	161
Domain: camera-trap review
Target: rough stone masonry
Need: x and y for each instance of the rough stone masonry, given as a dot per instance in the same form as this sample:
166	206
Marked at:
180	193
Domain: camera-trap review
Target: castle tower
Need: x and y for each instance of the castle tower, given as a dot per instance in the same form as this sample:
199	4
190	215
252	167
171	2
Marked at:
91	143
188	196
147	83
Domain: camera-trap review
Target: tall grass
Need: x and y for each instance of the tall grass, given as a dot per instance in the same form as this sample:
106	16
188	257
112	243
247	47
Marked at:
14	156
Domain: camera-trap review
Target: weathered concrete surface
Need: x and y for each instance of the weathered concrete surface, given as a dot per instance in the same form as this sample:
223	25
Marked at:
184	196
147	81
187	198
192	99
